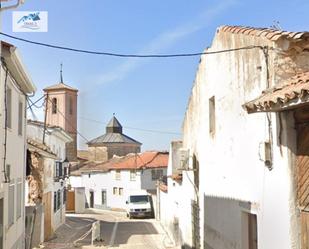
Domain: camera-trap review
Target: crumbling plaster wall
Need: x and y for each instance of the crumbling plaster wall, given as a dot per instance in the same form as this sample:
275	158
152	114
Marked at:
35	180
230	163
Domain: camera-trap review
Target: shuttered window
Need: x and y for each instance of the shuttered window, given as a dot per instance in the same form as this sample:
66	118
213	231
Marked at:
19	201
20	118
11	203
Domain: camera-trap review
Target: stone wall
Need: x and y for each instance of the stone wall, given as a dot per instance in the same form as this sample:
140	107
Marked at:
71	148
103	153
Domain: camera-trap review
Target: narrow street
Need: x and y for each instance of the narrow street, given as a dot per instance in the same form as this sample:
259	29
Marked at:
117	231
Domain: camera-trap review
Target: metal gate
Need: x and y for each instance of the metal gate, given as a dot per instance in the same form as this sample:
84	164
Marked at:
195	225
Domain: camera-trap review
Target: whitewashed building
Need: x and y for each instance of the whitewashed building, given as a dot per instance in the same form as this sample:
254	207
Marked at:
49	161
107	185
249	170
16	84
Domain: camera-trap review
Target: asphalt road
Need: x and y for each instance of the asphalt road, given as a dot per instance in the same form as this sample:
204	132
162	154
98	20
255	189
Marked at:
117	231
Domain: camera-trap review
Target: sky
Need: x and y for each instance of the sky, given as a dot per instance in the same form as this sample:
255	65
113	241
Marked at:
145	94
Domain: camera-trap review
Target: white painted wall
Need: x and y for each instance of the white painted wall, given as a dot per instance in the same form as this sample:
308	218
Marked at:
15	156
100	180
80	200
230	163
75	181
175	205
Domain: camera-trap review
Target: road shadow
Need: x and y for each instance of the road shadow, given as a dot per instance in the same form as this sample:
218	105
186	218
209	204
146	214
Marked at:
127	229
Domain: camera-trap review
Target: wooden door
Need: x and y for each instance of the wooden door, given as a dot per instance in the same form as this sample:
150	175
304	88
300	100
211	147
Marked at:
252	231
47	201
70	204
305	230
302	172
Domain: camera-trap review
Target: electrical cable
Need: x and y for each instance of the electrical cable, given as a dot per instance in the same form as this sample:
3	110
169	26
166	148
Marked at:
34	103
133	128
127	55
81	135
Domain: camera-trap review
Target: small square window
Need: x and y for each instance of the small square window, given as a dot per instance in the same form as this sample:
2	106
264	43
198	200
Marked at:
133	175
118	174
120	191
115	191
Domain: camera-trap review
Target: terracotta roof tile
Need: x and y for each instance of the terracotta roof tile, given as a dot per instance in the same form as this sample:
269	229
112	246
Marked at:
148	159
60	86
279	97
40	146
270	34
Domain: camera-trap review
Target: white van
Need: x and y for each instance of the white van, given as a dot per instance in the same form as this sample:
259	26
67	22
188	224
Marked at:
139	205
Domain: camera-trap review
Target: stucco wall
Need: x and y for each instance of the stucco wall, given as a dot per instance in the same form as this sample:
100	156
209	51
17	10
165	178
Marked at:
107	181
230	160
15	157
175	205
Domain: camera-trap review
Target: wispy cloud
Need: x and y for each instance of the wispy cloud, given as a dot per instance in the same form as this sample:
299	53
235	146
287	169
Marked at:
164	41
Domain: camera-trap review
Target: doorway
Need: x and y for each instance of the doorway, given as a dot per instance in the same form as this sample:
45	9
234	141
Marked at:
104	198
302	171
91	199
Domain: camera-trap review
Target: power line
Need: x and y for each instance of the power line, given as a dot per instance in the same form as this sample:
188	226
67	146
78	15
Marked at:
133	128
69	122
34	103
127	55
100	122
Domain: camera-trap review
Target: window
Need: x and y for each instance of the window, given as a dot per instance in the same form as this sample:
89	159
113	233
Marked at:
9	107
54	106
58	170
115	190
11	204
156	174
19	201
64	195
103	197
70	106
212	115
8	172
55	202
133	175
120	191
118	174
20	118
58	199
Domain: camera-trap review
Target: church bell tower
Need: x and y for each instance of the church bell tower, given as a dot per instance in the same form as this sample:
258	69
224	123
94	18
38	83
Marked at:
62	111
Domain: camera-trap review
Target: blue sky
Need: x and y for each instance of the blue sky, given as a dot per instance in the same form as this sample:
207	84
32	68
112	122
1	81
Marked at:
144	93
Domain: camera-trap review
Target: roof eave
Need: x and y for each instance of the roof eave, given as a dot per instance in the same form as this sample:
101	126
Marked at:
18	69
277	107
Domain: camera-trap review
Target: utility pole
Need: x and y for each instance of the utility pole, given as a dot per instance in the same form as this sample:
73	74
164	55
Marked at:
45	117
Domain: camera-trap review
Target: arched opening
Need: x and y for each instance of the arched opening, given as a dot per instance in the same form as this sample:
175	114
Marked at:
54	105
